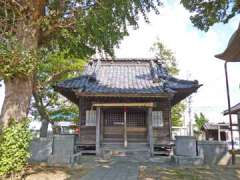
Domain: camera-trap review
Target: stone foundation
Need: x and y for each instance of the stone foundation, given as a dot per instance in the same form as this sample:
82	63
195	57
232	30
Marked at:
187	160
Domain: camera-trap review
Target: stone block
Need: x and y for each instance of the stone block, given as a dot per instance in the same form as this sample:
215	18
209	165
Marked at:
63	149
40	149
212	151
185	146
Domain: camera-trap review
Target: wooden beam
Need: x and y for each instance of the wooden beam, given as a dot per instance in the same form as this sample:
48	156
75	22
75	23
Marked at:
125	127
98	118
160	95
150	131
150	104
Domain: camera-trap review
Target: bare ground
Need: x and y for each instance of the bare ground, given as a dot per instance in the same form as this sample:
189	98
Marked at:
43	172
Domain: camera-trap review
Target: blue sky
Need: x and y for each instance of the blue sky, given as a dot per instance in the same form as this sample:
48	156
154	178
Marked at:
194	51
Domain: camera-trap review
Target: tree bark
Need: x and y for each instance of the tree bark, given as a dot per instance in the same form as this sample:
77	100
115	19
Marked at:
18	94
43	114
18	90
44	128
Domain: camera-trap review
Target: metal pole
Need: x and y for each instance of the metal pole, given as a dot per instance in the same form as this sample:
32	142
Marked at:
229	112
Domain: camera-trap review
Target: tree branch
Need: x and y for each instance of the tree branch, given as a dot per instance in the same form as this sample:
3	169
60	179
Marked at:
40	107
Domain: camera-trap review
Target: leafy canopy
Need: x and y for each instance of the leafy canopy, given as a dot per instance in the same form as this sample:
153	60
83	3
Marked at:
206	13
78	27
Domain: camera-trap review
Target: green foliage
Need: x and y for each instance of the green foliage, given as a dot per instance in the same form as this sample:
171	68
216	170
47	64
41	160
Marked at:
168	59
16	60
96	24
14	146
207	13
200	121
177	114
65	113
48	104
77	28
166	56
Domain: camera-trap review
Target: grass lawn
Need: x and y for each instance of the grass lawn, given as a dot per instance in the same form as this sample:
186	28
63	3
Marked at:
190	173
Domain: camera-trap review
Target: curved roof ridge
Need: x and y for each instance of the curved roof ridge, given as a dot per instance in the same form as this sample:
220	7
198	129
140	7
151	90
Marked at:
125	59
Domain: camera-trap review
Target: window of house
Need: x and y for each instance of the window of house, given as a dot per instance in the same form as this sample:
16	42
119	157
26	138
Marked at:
157	119
91	118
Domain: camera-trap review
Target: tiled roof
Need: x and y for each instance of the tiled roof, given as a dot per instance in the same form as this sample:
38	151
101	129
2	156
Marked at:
138	76
211	126
234	110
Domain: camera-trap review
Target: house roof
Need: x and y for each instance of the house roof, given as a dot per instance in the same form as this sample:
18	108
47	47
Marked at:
212	126
234	110
136	77
232	52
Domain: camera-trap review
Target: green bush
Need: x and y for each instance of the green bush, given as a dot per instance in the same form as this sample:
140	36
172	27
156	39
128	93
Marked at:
14	146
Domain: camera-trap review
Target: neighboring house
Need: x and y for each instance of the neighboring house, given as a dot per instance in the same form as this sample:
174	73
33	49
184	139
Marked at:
235	110
125	102
216	132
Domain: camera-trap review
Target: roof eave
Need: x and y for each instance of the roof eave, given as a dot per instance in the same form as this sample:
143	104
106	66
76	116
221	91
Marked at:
184	93
232	52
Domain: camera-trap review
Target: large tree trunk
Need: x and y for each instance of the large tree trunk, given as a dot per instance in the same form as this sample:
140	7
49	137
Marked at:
18	90
18	94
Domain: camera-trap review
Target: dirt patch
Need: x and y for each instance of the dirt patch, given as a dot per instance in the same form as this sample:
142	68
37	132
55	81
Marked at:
44	172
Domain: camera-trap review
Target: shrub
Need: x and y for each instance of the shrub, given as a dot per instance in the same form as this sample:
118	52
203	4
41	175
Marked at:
14	146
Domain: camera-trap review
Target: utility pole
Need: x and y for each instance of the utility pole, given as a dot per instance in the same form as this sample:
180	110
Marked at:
229	112
189	102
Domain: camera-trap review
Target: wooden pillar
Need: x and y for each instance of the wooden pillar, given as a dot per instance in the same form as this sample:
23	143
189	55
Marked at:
101	127
169	120
98	119
125	127
238	117
150	131
219	133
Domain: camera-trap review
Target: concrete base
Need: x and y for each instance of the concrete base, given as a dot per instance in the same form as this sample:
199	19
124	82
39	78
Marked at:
187	160
59	160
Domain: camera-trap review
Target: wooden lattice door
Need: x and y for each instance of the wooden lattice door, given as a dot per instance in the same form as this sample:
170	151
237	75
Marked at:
113	125
136	126
113	130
